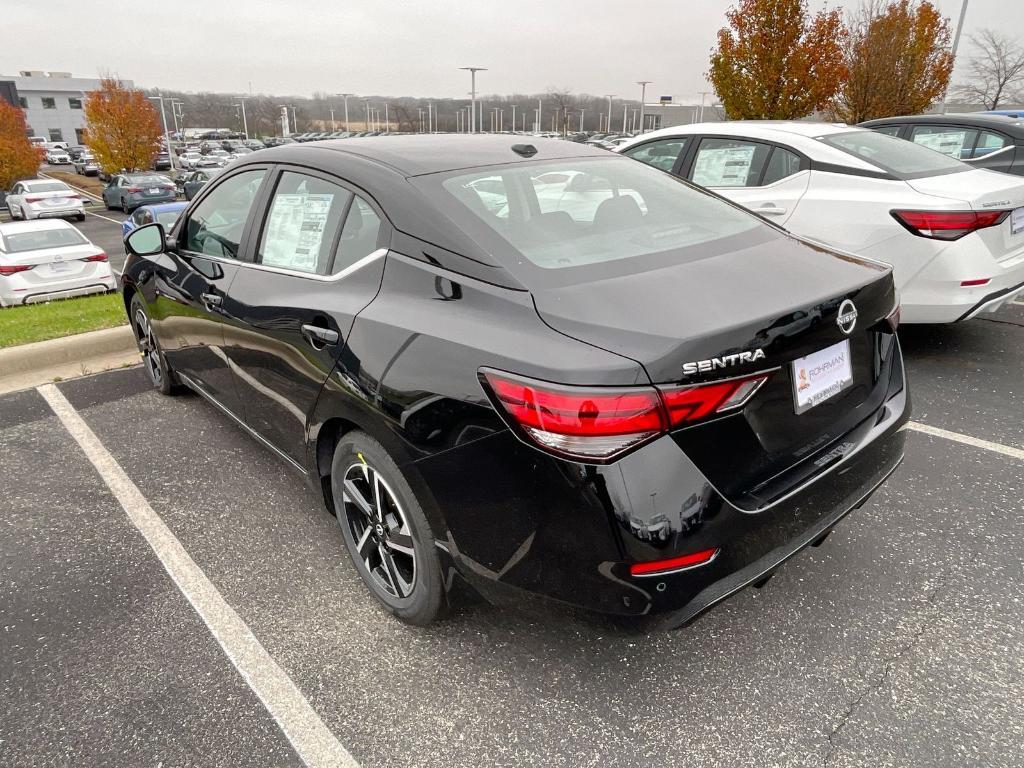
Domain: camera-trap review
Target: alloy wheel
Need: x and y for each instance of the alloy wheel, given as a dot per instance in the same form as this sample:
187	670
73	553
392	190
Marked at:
147	346
380	530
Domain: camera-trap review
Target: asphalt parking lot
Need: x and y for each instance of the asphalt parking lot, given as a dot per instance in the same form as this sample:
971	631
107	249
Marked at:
897	643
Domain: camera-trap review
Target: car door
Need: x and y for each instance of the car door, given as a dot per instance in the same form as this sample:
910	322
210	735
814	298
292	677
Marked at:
15	197
111	192
318	263
188	313
766	178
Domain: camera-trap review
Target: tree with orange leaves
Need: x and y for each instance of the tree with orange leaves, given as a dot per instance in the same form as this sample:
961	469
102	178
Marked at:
122	127
898	60
18	158
775	61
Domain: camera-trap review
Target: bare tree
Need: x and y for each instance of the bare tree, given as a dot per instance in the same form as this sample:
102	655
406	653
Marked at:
995	70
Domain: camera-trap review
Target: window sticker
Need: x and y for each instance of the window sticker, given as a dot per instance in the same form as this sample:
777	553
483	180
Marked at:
295	231
949	143
727	167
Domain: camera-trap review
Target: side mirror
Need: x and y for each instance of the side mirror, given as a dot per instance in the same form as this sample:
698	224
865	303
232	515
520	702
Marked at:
146	241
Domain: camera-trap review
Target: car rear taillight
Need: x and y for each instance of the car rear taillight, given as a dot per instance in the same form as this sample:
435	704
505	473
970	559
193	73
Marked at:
673	564
948	225
133	189
975	283
14	269
597	424
33	199
101	256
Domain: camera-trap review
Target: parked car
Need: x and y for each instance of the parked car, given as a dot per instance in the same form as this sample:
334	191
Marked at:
500	403
55	156
86	165
162	161
45	260
239	152
191	183
165	213
254	144
219	156
983	140
44	199
75	152
127	191
188	160
953	233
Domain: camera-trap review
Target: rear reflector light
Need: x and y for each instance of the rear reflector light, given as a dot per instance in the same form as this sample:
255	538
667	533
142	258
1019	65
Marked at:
973	283
599	423
14	269
98	257
661	567
948	225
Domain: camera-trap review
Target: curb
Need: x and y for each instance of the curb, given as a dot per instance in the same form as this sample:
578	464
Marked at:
77	349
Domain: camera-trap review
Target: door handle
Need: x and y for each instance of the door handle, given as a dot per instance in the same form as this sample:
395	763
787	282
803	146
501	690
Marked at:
211	300
772	210
319	337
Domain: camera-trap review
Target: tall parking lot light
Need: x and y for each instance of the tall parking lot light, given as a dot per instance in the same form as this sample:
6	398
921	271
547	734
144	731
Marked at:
472	80
167	135
608	125
245	123
643	100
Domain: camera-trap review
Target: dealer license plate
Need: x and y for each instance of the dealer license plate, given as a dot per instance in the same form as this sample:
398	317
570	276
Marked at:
821	375
1017	221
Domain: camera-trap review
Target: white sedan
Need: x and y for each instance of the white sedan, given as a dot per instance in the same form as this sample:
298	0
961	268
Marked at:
43	199
44	260
953	233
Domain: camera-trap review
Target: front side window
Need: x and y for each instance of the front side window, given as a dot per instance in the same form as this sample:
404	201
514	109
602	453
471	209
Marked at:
215	226
898	158
49	103
304	217
729	163
954	141
661	154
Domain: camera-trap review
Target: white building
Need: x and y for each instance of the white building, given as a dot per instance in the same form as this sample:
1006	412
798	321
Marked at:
53	102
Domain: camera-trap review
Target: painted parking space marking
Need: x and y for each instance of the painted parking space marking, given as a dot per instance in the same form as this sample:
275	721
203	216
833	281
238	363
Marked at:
105	218
976	442
315	744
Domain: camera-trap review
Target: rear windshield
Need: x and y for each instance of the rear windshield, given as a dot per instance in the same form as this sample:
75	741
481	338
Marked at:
149	180
565	214
21	242
48	186
900	158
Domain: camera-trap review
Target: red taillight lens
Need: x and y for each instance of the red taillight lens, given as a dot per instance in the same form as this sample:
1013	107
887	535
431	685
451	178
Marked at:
101	256
133	189
975	283
948	225
693	403
599	423
14	269
33	199
661	567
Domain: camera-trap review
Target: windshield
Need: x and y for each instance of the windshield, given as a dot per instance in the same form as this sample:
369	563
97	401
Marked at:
43	238
575	213
51	186
900	158
149	180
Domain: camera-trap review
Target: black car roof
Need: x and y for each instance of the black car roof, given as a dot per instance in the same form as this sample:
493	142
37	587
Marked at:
420	154
1011	125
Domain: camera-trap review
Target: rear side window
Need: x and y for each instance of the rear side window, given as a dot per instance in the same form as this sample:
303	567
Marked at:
215	226
305	214
989	142
889	130
953	141
898	158
729	163
661	154
781	163
359	236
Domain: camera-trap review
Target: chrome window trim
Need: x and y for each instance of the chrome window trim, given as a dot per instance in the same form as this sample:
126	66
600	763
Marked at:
366	260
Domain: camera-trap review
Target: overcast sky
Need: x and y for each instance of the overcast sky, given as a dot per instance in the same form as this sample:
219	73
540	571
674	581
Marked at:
392	48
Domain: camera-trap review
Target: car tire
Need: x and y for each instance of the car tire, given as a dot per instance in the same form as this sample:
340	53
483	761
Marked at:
153	361
401	567
80	217
107	205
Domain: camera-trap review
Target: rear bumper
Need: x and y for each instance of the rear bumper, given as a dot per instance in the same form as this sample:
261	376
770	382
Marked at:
33	212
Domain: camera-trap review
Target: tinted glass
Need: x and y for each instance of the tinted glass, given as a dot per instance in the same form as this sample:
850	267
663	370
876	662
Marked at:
781	163
45	238
300	229
151	179
953	141
988	143
168	218
215	226
48	186
609	210
661	154
359	235
729	163
899	158
889	130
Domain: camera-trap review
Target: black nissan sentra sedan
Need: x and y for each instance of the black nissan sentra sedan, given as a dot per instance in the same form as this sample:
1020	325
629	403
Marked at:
533	369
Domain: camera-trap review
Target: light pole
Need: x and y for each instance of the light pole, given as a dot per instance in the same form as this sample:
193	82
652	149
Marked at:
334	125
345	97
609	96
472	81
176	113
582	112
643	100
245	123
956	43
540	106
701	118
513	118
430	117
366	120
167	135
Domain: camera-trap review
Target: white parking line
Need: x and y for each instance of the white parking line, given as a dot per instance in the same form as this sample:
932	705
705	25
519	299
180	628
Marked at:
105	218
312	740
1006	450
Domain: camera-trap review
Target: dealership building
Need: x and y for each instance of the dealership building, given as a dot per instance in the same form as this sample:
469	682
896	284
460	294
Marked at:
53	102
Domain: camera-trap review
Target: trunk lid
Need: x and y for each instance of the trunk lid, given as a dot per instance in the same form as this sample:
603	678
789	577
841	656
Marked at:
780	297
